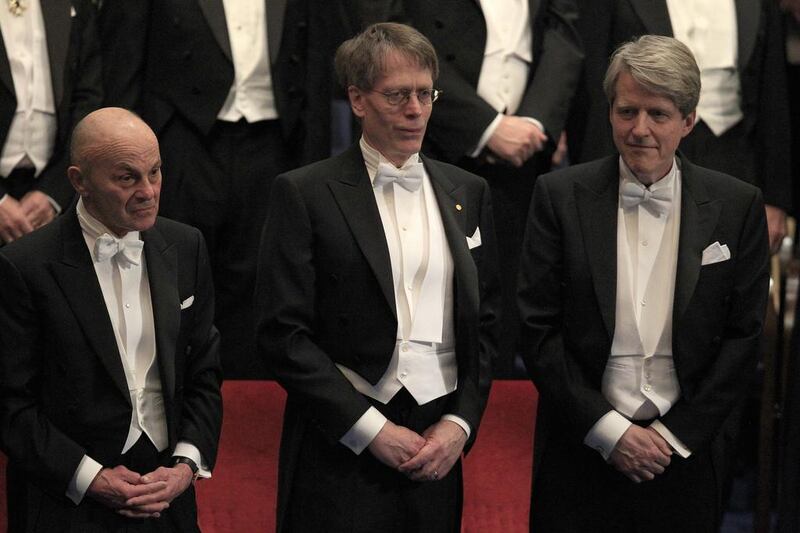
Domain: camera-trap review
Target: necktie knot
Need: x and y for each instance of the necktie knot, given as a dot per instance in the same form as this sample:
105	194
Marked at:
107	246
409	177
657	202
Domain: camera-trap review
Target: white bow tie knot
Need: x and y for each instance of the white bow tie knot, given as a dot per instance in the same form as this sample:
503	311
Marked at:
108	246
409	178
658	201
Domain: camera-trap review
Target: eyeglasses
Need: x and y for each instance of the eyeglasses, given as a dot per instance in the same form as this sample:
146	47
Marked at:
402	96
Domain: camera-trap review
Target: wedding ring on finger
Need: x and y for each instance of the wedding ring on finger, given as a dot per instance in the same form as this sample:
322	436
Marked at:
435	475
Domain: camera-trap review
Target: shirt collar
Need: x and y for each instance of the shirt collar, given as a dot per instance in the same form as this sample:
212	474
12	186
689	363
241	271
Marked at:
373	158
93	228
626	174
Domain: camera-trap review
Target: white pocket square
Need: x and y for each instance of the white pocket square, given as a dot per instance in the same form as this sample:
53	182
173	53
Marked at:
475	240
187	303
715	253
72	12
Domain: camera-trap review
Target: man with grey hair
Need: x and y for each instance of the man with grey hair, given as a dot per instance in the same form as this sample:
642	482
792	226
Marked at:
376	298
642	291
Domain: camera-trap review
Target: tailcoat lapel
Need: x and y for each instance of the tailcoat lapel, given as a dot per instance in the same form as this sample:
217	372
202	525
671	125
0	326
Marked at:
654	15
699	216
597	200
276	9
57	25
352	190
449	198
214	12
5	70
748	20
162	272
76	276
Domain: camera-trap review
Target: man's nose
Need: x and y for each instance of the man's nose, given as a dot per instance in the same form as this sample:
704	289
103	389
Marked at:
641	125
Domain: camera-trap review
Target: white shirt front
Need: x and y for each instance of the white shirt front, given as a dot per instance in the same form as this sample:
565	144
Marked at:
507	59
31	137
126	292
640	381
424	358
251	96
709	29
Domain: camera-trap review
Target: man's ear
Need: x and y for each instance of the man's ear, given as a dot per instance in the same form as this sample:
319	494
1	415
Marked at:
356	97
76	179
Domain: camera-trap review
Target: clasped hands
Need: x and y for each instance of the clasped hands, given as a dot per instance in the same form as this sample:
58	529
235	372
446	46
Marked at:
18	217
139	496
516	139
641	454
425	457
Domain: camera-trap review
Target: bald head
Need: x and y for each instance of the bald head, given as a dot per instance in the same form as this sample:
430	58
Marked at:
101	127
116	168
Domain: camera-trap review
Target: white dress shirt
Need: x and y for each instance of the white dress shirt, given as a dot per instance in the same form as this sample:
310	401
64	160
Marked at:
126	292
507	61
424	358
640	380
251	96
709	29
31	137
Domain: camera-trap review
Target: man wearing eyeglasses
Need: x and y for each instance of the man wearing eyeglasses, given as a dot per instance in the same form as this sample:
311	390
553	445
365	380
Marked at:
377	309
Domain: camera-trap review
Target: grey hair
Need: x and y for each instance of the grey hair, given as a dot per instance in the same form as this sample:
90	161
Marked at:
663	65
360	60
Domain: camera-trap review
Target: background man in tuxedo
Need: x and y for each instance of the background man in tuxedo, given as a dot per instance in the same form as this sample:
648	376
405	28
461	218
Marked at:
49	80
509	69
237	91
377	309
642	290
108	355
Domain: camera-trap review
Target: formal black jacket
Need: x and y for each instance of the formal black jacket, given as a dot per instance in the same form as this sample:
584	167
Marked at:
567	298
63	387
74	55
325	295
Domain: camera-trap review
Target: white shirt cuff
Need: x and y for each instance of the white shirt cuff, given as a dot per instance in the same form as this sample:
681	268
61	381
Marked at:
487	134
679	447
3	198
187	449
87	470
460	421
364	430
606	432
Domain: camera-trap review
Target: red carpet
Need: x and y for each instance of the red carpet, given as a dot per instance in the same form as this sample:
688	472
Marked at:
241	496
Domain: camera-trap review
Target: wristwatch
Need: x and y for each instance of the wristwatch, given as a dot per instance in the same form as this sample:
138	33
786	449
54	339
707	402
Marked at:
188	462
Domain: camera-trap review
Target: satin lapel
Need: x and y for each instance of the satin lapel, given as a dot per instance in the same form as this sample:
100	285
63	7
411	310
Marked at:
597	201
162	272
57	23
214	12
699	216
77	279
451	201
654	15
5	70
352	190
748	20
276	9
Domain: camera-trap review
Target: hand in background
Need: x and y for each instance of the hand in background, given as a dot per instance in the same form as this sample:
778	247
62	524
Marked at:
516	140
394	445
641	454
37	208
444	442
13	221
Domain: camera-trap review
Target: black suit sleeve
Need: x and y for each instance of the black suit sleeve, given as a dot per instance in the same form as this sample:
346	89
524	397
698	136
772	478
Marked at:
37	446
558	373
287	316
123	29
201	411
701	410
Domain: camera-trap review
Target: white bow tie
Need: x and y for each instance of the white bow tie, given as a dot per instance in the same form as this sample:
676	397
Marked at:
658	201
409	178
107	247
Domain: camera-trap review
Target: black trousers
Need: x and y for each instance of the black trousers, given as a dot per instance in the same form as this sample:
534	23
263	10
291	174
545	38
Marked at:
33	510
575	490
335	490
220	184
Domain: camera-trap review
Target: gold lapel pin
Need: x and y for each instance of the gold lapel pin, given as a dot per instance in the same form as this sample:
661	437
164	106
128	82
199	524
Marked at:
458	207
